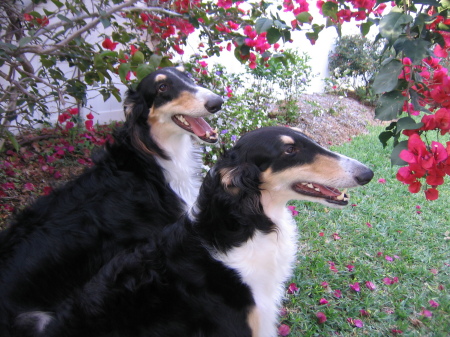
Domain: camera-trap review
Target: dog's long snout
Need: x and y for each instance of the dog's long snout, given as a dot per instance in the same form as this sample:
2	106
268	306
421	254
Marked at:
364	176
214	104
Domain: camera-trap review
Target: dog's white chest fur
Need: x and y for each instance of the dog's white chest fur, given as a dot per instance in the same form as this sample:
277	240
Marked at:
182	170
265	262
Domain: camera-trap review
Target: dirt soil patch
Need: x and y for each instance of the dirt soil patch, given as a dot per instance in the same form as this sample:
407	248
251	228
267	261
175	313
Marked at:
333	120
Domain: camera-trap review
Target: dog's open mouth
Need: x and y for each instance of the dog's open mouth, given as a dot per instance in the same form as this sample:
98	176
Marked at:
330	194
197	126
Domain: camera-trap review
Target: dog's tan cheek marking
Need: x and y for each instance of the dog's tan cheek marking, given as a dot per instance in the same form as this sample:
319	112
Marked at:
253	321
287	140
160	77
181	105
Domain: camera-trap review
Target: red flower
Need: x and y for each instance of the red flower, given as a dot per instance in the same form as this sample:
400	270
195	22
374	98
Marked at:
431	194
284	330
292	288
323	301
108	44
43	21
434	304
28	17
90	115
89	124
73	111
321	318
355	287
370	285
133	50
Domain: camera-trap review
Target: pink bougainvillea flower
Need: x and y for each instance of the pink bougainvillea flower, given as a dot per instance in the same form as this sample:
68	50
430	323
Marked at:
350	267
382	181
332	266
434	271
368	224
355	322
90	115
28	187
426	313
73	111
89	124
433	303
380	254
321	234
323	301
337	293
388	281
370	285
284	330
47	190
336	236
292	288
282	312
355	286
324	284
396	331
321	318
388	258
293	211
108	44
364	313
431	194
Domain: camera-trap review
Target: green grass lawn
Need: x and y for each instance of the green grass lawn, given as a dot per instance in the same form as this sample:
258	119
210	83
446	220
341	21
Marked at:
386	234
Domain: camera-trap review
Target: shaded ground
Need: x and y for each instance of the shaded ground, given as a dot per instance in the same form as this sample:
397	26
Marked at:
48	159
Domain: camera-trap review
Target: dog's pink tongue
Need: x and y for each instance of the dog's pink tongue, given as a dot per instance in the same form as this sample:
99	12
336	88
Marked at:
199	126
327	191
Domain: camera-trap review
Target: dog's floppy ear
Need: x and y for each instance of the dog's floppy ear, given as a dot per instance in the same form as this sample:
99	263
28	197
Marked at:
136	109
243	178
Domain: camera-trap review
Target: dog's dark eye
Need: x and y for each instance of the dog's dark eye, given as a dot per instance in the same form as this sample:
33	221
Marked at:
289	149
163	87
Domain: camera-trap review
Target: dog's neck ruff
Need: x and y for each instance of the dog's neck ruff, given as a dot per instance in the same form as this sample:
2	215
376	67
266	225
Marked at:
265	263
183	169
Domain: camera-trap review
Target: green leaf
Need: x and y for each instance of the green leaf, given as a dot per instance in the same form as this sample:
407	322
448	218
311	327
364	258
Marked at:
407	123
365	27
387	78
273	35
384	137
124	68
389	105
263	24
99	62
155	61
143	70
416	49
12	139
304	17
25	40
64	18
392	25
105	22
330	9
58	3
395	159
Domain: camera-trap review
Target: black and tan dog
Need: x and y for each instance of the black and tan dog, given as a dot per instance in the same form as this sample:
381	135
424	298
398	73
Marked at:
147	178
219	271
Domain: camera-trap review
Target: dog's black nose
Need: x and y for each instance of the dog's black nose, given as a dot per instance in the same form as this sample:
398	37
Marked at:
364	176
214	104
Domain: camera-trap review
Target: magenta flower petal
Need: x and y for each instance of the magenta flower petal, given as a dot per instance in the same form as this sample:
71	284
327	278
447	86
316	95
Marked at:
284	330
355	287
321	318
323	301
370	285
292	288
434	304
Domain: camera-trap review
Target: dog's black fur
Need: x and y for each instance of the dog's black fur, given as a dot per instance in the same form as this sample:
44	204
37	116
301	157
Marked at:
58	243
199	278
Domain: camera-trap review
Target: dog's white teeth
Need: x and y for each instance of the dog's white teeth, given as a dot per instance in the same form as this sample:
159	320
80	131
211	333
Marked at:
340	197
310	185
182	120
208	134
346	199
304	184
317	189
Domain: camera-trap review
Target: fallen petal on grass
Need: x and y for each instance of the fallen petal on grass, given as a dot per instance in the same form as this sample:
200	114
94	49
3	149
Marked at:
321	318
